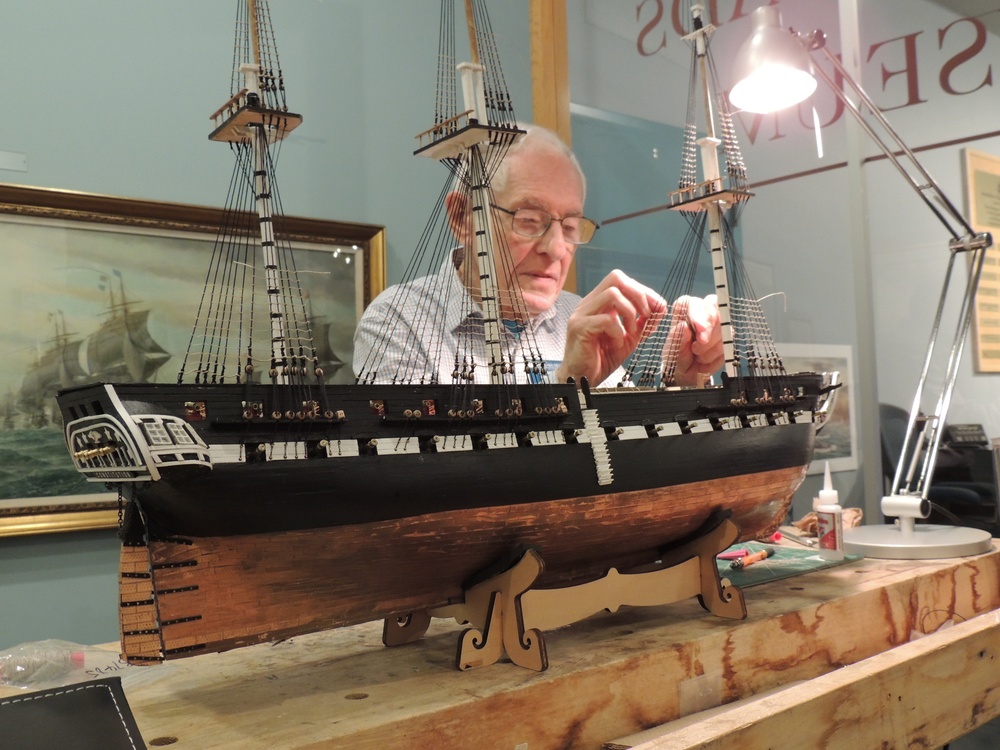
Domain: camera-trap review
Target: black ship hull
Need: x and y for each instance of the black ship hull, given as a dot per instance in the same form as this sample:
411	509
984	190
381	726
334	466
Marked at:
257	498
251	469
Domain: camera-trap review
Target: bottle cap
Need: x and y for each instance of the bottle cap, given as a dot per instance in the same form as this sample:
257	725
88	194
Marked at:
827	495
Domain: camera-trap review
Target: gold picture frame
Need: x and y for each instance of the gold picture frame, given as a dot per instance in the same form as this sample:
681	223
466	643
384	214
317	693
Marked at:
63	248
982	197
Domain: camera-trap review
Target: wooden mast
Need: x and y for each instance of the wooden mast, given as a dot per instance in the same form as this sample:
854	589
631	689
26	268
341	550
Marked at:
251	121
716	198
482	214
470	146
470	24
259	142
254	30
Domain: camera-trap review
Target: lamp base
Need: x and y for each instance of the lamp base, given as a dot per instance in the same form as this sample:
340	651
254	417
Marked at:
920	542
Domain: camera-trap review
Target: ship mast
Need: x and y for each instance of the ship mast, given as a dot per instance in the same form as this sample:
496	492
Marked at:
254	117
475	104
717	201
262	201
467	139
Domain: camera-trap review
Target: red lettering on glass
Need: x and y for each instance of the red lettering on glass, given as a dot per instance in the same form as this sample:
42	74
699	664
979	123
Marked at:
909	70
977	46
756	121
649	28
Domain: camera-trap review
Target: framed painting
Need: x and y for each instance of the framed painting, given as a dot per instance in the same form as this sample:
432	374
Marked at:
95	283
837	442
982	198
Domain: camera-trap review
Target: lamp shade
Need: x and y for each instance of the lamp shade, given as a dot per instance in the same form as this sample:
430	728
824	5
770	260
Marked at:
772	69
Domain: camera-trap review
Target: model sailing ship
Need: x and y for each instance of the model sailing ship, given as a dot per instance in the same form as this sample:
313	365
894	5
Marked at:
259	505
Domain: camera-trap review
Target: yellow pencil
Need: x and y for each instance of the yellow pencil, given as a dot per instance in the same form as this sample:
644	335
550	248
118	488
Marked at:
746	562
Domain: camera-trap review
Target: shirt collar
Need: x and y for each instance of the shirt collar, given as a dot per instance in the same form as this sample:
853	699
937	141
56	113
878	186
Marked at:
462	308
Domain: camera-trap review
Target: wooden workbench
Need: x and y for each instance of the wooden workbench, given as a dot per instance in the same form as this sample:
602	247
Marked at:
618	674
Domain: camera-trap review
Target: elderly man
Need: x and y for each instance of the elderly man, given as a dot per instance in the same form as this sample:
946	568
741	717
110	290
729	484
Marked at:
538	194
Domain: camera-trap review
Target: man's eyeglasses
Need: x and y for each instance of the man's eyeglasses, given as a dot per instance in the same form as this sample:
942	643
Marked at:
533	222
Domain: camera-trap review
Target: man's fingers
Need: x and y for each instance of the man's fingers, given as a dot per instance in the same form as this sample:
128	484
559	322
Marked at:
612	303
643	300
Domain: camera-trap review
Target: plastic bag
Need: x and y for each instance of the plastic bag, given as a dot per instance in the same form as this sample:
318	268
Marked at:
51	663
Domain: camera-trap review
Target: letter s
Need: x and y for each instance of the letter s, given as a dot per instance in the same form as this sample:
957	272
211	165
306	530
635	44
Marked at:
977	46
649	28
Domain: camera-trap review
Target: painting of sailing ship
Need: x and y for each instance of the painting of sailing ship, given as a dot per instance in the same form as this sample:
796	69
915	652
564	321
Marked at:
100	302
120	349
837	444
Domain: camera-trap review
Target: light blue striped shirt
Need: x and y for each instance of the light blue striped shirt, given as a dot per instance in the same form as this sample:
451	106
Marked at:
411	333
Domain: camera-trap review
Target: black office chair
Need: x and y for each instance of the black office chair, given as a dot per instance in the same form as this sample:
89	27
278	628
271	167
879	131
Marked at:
953	501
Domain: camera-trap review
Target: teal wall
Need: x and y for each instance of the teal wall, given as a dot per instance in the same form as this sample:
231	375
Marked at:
114	97
61	586
631	163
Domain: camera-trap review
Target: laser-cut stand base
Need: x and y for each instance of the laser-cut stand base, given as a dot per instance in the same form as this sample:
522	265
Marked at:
507	615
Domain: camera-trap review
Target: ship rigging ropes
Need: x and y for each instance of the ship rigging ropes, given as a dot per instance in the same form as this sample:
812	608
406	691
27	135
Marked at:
482	51
754	352
255	44
435	330
234	338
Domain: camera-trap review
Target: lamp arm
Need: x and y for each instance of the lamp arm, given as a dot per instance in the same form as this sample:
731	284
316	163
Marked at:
926	187
913	477
923	434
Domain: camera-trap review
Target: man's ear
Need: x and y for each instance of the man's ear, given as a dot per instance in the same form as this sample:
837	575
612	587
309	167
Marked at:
459	208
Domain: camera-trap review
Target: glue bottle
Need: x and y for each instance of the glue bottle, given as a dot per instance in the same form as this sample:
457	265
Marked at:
829	520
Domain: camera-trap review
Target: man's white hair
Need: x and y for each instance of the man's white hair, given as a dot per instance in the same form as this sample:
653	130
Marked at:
536	138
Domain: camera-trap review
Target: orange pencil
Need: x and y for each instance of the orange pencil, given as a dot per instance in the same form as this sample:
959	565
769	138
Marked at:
751	559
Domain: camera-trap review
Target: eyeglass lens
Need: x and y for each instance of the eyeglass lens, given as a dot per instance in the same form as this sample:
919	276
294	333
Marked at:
533	222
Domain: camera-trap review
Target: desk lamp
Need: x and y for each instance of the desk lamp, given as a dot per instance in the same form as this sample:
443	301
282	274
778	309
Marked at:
774	70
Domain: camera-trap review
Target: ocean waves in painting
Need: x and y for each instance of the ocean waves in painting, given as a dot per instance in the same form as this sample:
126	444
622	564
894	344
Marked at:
34	462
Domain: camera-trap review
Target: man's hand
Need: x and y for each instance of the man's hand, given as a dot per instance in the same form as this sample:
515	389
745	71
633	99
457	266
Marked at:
606	327
693	349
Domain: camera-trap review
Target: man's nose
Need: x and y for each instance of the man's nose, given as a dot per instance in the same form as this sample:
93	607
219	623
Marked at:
553	242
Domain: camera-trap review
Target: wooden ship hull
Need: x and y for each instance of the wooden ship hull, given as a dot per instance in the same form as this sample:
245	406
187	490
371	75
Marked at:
370	512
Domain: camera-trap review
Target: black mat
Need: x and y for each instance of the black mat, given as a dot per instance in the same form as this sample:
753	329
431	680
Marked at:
87	716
